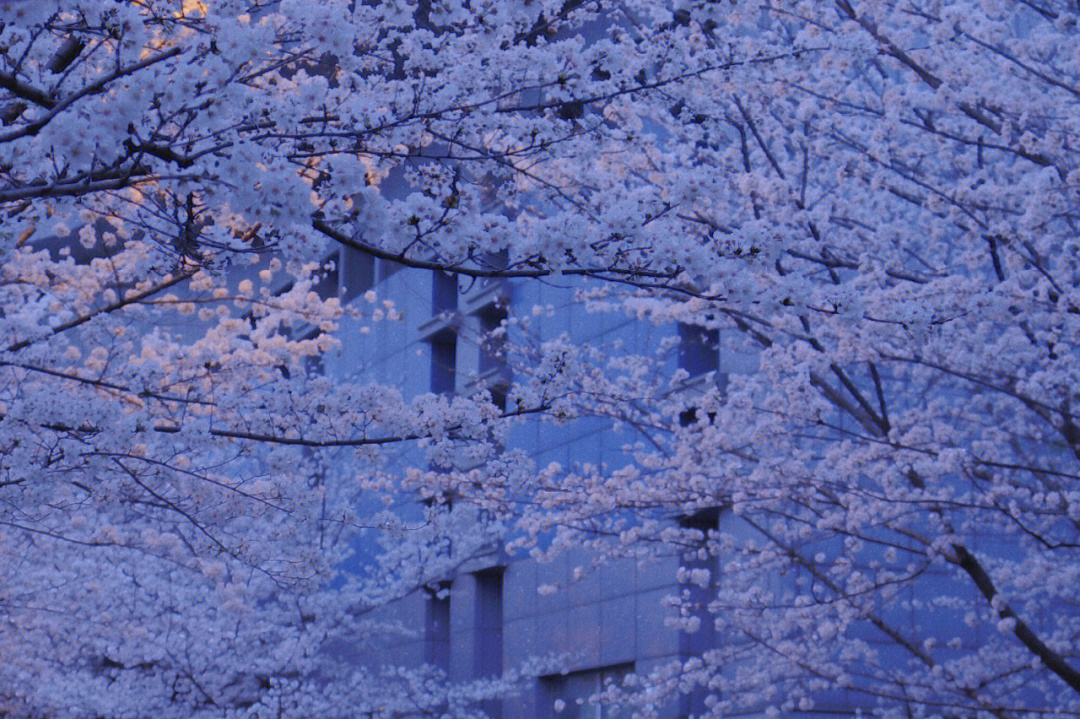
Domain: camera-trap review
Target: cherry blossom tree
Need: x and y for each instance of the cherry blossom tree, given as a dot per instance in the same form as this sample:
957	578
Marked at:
178	493
877	211
872	203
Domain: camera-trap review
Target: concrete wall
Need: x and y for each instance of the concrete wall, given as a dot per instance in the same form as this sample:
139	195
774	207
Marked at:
602	625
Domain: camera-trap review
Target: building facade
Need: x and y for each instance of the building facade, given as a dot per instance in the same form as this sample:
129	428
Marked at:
593	622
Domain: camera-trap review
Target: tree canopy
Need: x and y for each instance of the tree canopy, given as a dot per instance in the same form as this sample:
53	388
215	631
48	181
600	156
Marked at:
873	203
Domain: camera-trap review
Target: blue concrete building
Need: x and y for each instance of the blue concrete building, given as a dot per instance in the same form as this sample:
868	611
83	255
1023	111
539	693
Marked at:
605	619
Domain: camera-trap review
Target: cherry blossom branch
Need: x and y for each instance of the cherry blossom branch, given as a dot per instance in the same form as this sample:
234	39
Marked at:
128	299
1050	659
615	273
93	88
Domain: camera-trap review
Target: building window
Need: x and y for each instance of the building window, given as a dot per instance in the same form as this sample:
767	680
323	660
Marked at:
444	292
492	344
443	361
499	394
326	284
357	273
437	626
492	366
486	308
488	649
566	696
443	339
699	349
699	354
695	644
